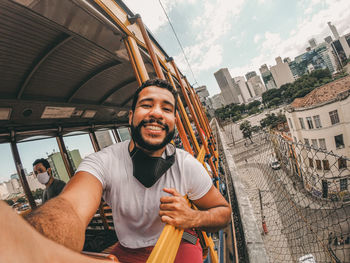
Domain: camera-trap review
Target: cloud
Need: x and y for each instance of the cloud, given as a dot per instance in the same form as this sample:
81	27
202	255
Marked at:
315	25
151	11
257	37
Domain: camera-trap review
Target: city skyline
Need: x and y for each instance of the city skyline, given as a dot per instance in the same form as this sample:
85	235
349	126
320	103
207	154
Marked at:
240	36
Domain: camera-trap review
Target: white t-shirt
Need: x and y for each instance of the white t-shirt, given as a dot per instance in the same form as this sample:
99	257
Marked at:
135	208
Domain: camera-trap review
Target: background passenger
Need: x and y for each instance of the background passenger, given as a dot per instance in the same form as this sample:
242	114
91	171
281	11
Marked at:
44	175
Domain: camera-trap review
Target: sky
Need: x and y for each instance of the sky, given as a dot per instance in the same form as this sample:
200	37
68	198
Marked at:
240	35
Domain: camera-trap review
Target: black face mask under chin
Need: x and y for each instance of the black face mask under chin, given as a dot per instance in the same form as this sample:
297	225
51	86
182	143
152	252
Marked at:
147	169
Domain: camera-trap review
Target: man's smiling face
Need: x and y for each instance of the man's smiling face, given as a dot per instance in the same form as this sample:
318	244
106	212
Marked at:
153	120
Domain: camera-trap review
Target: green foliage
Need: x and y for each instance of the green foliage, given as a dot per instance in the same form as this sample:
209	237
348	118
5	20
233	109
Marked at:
246	129
299	88
272	120
235	111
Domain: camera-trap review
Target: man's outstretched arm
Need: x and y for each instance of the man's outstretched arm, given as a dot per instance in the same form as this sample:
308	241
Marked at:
214	212
64	219
20	243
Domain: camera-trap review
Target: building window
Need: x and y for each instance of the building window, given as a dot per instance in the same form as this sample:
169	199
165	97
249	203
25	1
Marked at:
322	143
307	142
343	184
334	117
339	141
290	123
342	163
325	165
318	165
314	143
311	163
302	125
309	123
317	121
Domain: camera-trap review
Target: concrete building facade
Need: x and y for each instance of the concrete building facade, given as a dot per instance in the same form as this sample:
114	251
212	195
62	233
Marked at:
256	86
267	77
321	120
246	94
229	91
217	101
281	73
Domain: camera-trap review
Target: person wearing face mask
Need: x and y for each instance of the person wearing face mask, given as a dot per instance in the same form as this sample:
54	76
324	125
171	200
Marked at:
43	173
144	181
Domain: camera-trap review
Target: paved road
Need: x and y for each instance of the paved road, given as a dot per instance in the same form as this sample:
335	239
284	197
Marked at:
298	223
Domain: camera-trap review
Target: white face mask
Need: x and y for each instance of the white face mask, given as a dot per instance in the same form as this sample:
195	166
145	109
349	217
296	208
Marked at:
43	178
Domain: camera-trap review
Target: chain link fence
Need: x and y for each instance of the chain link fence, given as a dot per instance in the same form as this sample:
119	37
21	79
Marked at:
300	196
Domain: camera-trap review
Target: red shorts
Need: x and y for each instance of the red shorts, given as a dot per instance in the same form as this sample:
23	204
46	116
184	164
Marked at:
187	253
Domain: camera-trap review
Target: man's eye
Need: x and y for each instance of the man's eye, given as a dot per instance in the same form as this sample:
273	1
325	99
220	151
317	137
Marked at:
167	109
146	106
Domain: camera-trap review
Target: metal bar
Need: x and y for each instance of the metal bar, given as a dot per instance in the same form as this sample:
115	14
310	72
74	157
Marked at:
193	113
22	176
149	46
64	155
116	135
185	119
97	148
135	55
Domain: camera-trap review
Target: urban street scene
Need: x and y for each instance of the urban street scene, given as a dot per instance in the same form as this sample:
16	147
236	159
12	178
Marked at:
163	131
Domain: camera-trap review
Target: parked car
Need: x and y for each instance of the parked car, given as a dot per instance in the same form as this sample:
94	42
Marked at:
309	258
275	164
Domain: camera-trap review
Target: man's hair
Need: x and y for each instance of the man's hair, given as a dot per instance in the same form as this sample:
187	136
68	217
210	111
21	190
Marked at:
43	162
158	83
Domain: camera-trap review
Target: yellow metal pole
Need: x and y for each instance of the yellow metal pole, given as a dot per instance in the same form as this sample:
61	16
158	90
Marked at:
193	113
185	118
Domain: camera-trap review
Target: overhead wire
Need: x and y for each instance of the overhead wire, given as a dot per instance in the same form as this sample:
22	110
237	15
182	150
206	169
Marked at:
179	42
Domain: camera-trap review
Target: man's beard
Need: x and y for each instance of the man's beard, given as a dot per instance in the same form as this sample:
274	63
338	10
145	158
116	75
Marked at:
137	137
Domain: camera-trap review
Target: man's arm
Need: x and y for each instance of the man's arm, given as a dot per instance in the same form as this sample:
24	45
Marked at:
214	212
65	217
20	243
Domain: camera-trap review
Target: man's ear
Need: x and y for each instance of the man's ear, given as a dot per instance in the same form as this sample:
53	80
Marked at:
130	117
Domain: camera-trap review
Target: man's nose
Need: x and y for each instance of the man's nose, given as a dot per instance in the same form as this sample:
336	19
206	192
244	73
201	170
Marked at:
156	112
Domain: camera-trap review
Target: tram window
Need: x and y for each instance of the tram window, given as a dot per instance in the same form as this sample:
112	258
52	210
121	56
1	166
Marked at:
78	147
11	190
30	151
124	133
104	138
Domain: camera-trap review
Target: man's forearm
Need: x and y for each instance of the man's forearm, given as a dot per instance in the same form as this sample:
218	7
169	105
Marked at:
58	221
212	220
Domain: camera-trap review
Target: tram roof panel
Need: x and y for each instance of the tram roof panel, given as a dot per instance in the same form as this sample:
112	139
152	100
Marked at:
63	62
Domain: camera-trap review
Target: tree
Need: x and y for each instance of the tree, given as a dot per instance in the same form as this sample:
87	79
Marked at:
246	129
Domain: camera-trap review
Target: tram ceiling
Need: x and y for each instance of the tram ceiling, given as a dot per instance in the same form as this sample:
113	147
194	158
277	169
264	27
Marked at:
62	63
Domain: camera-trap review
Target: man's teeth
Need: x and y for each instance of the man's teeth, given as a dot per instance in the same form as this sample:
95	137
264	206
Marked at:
154	128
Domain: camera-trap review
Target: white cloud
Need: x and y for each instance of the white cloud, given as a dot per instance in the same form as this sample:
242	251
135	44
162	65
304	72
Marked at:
315	25
257	37
151	11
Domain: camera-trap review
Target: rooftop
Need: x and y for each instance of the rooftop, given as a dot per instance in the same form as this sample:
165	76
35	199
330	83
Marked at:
323	94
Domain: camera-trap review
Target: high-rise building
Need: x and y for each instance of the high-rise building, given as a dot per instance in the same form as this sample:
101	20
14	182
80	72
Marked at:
328	39
267	77
312	43
334	30
203	95
250	75
246	94
104	138
230	92
217	101
256	86
281	73
57	165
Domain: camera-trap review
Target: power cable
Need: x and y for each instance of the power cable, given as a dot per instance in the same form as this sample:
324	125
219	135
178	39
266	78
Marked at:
178	41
